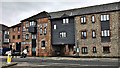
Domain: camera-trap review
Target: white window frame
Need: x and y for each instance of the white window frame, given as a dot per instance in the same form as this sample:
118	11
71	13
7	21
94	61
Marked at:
105	33
84	34
55	27
93	18
65	20
83	19
105	17
93	34
32	23
63	34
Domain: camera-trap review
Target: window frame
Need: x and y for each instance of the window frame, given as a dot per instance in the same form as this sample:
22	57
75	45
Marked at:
84	34
93	18
63	34
84	50
93	34
105	17
106	51
65	20
105	33
94	50
83	19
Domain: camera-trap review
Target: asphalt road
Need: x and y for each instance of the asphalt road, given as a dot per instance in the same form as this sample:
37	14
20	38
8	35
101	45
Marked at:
48	63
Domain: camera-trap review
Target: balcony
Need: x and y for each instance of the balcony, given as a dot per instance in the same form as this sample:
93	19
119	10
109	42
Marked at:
32	29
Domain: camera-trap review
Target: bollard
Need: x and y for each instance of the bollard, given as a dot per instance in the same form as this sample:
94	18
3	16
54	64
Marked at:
9	59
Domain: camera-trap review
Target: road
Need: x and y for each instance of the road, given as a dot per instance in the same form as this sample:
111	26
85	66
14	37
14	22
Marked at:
62	63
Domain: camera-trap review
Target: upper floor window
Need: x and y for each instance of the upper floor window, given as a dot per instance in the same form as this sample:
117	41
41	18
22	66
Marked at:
24	29
33	36
63	34
93	34
45	31
32	23
104	17
27	36
83	20
18	36
66	20
41	31
106	33
13	29
84	34
93	19
84	50
54	27
18	28
13	36
27	24
6	32
43	44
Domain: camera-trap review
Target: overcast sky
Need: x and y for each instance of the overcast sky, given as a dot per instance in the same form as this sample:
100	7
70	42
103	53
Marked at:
13	11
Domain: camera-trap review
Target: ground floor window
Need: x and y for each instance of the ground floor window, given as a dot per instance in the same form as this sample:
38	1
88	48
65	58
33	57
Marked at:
106	49
94	50
84	50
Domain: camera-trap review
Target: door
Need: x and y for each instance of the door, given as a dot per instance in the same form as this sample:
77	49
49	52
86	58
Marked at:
18	46
33	47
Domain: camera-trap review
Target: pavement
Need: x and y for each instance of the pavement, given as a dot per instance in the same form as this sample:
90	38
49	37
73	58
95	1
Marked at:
66	62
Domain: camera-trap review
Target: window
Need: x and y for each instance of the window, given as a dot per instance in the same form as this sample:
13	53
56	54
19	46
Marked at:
94	50
27	24
83	35
40	31
24	28
83	20
33	36
13	29
13	36
63	34
18	28
106	49
18	36
66	20
105	33
43	44
93	34
27	36
93	19
84	50
54	27
45	31
104	17
32	23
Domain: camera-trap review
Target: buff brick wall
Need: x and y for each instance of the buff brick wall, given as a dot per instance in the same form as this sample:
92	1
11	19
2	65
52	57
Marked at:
90	42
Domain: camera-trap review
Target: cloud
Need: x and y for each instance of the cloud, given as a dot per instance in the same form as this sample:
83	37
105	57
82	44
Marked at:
13	11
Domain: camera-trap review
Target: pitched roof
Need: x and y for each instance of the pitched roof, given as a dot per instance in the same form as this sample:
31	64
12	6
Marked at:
87	10
37	16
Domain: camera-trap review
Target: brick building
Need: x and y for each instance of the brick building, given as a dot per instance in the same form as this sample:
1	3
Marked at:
92	31
15	37
37	34
4	37
97	30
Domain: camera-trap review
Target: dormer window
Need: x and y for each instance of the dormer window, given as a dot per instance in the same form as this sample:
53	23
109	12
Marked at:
66	20
32	23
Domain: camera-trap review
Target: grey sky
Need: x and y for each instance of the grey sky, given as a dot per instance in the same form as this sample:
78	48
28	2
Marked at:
13	11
